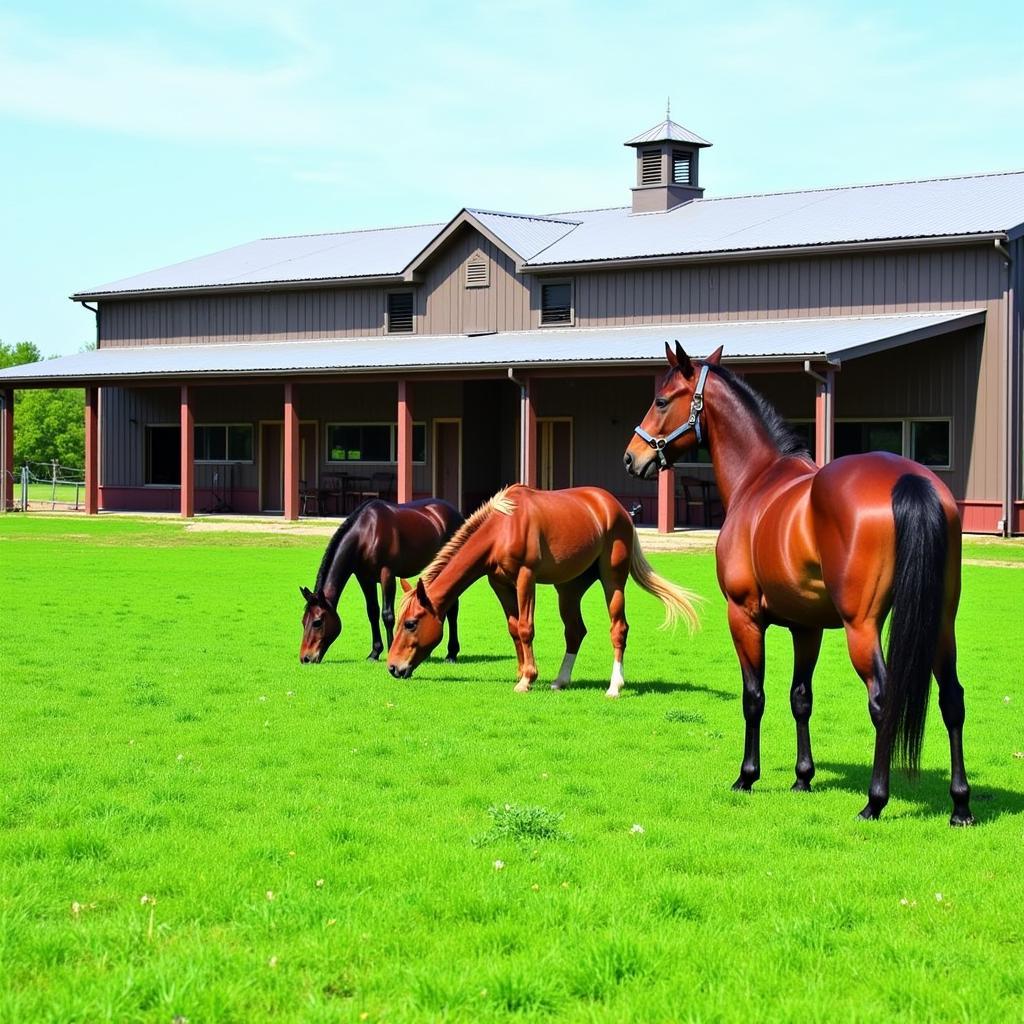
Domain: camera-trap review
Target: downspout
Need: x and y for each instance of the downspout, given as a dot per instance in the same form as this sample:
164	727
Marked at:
522	419
1008	469
96	311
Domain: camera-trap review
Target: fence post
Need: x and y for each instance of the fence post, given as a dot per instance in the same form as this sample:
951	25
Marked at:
24	488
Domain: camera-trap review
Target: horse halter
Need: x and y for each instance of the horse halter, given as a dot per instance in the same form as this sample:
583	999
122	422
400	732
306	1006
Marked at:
693	423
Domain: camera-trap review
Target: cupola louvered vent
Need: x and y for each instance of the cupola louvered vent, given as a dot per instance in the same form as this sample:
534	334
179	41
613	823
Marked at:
400	313
650	168
478	273
682	167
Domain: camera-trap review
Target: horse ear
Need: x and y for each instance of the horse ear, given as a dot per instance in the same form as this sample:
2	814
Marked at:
421	593
406	585
716	357
683	362
671	356
306	595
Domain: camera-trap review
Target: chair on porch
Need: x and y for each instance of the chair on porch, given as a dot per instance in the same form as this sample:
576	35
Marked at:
381	485
702	495
309	500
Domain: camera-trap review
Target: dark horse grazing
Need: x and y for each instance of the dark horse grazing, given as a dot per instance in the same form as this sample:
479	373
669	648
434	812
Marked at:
377	543
812	549
520	538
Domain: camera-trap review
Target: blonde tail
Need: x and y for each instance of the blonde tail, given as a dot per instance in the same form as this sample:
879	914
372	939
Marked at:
679	603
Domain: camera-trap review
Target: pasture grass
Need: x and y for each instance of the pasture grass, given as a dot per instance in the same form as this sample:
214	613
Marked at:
192	825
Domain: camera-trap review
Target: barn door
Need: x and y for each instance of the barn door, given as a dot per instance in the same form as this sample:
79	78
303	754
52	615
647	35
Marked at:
271	467
554	453
448	461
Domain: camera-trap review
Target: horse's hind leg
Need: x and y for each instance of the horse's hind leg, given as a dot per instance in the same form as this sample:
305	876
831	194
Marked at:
806	647
951	703
864	644
387	590
453	633
748	639
614	573
569	596
369	587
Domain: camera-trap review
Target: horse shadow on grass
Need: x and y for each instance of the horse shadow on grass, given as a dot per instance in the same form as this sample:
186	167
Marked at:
928	793
646	686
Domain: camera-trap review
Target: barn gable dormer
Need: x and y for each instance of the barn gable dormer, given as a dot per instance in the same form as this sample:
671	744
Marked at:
667	167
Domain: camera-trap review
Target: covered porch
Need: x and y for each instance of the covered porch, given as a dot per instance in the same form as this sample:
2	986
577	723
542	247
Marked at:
307	427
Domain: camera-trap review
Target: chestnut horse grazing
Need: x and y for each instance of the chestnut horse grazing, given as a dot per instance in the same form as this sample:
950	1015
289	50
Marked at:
377	543
812	549
520	538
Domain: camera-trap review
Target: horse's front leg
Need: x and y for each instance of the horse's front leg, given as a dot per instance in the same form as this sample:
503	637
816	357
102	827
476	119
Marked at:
369	586
387	590
453	632
748	638
526	594
506	594
806	647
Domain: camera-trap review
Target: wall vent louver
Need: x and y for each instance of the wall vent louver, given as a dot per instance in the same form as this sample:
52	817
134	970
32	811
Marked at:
400	313
478	273
650	167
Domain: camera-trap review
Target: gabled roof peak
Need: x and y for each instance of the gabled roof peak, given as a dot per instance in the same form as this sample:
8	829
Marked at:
667	131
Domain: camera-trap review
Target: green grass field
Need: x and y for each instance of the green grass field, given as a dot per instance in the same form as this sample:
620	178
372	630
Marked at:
192	825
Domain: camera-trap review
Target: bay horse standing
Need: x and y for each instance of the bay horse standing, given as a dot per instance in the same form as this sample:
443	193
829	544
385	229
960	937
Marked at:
521	537
377	543
810	549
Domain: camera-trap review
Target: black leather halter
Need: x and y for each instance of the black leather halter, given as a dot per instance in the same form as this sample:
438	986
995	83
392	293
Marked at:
693	423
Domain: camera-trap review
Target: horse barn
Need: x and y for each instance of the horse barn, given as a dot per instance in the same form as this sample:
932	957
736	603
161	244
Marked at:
299	375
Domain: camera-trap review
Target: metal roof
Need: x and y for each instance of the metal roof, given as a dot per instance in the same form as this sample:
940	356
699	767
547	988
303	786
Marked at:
973	205
979	204
832	339
375	253
667	131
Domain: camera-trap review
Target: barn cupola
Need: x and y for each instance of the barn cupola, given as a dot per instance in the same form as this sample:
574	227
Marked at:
667	165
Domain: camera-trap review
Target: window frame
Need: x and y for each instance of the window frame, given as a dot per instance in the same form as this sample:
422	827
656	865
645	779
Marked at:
908	439
392	443
146	460
571	283
387	309
227	460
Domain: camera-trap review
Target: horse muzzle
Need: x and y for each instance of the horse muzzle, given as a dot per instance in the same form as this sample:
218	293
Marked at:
401	671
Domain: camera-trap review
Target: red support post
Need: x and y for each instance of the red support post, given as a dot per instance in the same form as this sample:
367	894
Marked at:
7	448
824	418
667	501
404	442
291	453
188	451
528	439
92	451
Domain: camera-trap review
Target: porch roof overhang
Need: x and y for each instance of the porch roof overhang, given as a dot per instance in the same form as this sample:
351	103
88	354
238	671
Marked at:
824	341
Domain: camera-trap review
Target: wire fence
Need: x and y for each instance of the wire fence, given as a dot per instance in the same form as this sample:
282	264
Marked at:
41	485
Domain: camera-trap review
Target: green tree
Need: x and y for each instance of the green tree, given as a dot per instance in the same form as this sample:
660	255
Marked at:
48	424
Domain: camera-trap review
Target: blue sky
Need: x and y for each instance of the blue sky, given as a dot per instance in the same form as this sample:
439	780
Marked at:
137	135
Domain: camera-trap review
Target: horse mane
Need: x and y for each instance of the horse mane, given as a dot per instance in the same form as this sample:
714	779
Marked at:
335	542
500	503
785	439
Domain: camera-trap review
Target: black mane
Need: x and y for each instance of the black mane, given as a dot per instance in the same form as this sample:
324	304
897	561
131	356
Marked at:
783	436
335	542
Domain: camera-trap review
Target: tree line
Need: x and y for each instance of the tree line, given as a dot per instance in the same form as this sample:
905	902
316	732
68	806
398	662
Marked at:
49	424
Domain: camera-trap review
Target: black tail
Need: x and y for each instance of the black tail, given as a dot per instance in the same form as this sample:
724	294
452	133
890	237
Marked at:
917	601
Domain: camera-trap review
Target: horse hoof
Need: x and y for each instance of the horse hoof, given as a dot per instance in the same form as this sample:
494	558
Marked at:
450	660
801	786
961	820
557	686
870	814
373	656
612	694
742	786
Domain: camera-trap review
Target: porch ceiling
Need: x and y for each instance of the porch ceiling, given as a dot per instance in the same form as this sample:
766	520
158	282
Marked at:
822	340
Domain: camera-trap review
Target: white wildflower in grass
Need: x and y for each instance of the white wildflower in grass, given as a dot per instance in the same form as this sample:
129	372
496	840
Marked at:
565	885
499	865
290	693
1006	700
637	829
319	883
270	895
535	887
938	897
146	898
331	922
180	757
904	902
291	853
272	962
76	907
263	696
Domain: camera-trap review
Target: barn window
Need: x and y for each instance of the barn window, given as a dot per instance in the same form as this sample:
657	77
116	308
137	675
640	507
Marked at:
650	167
556	303
372	442
871	436
224	442
400	313
682	169
478	273
163	455
930	443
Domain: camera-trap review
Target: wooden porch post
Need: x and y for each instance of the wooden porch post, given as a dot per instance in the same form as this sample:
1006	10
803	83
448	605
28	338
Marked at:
667	501
291	452
528	438
824	418
92	451
188	450
7	449
404	454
